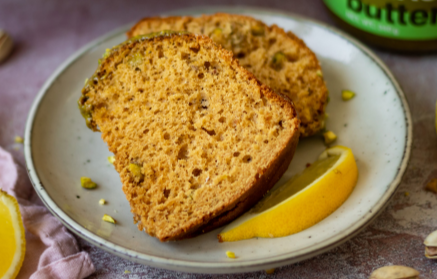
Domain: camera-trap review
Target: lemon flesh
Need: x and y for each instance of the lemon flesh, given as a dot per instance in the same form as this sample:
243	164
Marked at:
295	184
12	240
303	201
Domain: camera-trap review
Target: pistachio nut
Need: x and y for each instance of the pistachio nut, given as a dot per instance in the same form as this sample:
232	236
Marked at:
346	95
108	219
257	30
431	245
217	32
278	60
87	183
135	170
395	272
329	137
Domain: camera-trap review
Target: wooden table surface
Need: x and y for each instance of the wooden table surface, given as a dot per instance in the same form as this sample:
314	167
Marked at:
47	32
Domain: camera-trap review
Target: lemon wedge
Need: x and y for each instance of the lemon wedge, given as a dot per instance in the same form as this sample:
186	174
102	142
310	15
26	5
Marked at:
301	202
12	239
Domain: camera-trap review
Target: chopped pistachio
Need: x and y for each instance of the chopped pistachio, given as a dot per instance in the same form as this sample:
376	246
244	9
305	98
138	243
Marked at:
126	271
111	159
108	219
278	60
86	81
319	73
135	170
107	52
87	183
19	139
135	60
230	254
102	201
257	30
346	95
329	136
270	271
217	32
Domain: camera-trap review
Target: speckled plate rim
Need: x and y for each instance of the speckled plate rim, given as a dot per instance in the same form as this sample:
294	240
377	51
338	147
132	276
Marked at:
229	267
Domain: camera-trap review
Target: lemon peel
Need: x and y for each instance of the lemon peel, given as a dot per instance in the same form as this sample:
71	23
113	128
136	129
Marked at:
311	203
102	201
13	242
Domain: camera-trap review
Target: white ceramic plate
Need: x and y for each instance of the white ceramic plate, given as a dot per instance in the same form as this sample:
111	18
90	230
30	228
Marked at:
376	124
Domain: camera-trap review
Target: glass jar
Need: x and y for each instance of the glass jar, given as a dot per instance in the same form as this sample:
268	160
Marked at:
402	25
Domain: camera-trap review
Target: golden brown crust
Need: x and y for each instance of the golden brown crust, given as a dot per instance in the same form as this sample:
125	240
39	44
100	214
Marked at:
303	82
248	193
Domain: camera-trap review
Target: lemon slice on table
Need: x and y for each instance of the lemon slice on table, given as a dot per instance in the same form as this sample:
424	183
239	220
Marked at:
301	202
12	240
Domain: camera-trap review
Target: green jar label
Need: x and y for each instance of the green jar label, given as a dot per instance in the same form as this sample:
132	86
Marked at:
402	20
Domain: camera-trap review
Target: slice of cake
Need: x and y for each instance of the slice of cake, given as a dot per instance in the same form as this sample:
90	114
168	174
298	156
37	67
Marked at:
197	138
277	58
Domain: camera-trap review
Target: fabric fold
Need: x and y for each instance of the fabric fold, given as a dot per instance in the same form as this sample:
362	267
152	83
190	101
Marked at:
61	257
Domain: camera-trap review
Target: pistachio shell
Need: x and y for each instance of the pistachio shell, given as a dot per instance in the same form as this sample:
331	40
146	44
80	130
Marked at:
431	252
395	272
431	239
431	245
6	45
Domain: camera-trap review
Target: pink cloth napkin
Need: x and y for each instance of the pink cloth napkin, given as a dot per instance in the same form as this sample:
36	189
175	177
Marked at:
51	251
